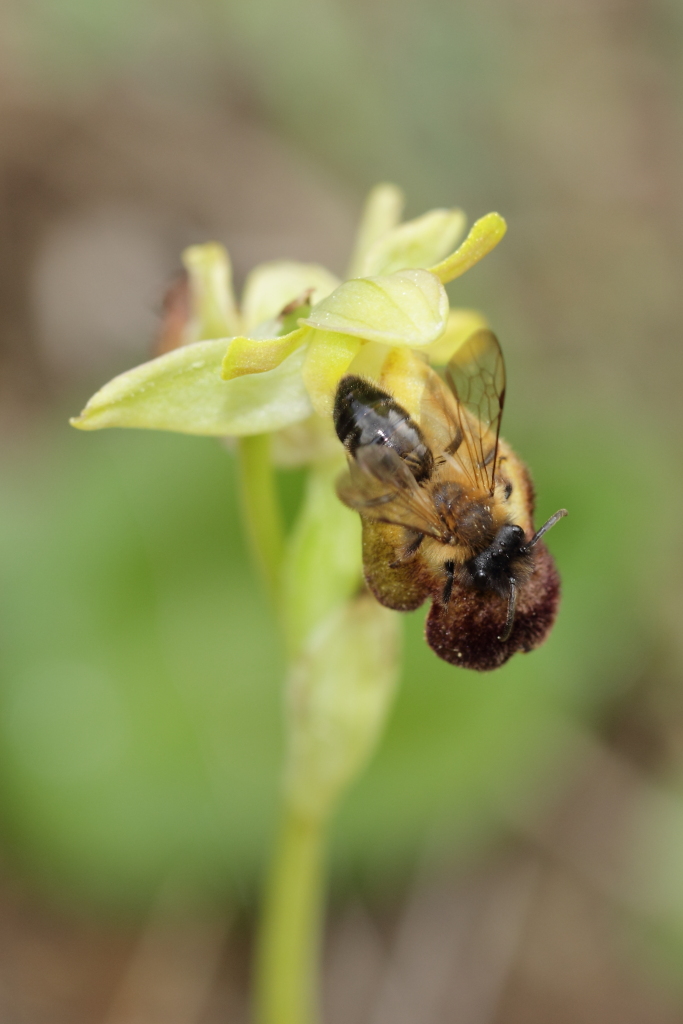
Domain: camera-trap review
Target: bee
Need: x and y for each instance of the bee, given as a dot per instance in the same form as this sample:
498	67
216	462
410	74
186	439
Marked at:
447	509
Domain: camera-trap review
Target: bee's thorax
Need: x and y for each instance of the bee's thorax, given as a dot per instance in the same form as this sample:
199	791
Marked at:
467	520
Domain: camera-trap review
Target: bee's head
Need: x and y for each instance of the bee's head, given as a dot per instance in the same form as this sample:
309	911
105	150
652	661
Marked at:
504	600
493	567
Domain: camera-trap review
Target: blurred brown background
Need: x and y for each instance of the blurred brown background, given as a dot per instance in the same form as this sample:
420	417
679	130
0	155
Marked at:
515	855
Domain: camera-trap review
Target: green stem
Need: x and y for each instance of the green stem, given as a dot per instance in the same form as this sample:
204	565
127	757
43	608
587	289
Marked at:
287	962
261	509
288	951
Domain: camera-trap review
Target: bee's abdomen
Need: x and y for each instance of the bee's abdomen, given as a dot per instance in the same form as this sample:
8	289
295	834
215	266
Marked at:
365	414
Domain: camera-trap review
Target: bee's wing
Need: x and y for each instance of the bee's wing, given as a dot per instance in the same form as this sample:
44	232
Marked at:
380	486
476	377
440	421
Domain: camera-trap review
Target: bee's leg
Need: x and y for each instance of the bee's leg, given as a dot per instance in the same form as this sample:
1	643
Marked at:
450	576
512	604
456	442
408	551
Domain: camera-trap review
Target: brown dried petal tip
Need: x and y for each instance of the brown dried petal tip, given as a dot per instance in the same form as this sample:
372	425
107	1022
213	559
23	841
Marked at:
175	316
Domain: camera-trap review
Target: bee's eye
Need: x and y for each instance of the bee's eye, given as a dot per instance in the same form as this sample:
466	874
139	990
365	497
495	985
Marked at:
508	490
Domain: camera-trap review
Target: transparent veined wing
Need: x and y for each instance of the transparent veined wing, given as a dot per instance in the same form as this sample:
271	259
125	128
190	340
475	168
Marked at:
380	486
476	378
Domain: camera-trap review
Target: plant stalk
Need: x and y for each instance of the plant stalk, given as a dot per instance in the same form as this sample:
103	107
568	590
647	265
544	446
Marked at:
287	957
261	509
286	981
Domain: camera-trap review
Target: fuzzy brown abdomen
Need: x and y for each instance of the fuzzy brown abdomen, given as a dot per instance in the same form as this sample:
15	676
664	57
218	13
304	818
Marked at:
466	631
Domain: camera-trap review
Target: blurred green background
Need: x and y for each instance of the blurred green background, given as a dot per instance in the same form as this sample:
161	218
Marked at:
139	668
142	677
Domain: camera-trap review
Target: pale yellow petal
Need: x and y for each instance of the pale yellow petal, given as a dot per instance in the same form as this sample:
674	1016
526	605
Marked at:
461	324
327	360
382	212
271	286
406	308
257	355
183	391
417	243
214	311
403	376
370	360
484	235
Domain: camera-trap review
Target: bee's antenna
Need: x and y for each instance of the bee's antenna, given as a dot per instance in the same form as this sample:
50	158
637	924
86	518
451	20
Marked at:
512	604
547	526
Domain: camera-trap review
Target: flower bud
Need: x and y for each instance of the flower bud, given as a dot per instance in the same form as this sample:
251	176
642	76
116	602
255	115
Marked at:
339	692
323	565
